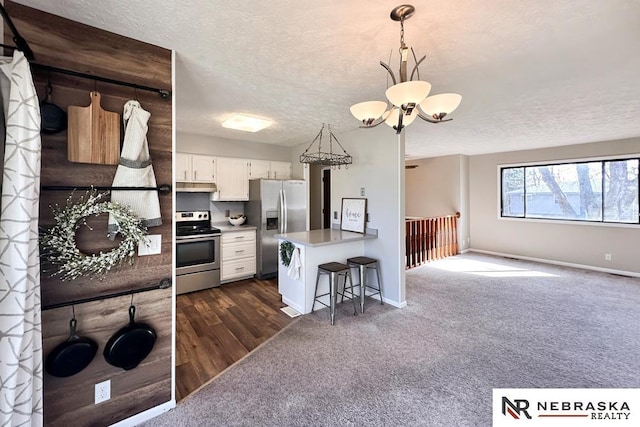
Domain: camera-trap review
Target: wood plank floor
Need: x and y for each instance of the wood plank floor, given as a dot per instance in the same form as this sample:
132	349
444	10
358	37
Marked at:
217	327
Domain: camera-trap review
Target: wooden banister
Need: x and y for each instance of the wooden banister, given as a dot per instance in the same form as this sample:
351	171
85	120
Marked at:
429	239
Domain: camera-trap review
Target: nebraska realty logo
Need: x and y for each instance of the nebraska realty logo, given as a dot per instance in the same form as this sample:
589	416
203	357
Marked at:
566	407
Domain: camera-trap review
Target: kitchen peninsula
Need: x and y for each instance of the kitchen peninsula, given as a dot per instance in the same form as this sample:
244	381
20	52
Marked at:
316	247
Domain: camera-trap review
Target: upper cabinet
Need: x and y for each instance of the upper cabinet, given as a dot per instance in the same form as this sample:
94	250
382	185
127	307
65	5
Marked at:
233	179
281	170
259	169
269	170
195	168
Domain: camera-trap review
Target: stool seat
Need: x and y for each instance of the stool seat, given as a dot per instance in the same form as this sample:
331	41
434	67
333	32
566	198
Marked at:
361	260
333	267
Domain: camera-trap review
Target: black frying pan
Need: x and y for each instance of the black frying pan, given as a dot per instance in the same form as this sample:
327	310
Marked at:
71	356
53	118
131	344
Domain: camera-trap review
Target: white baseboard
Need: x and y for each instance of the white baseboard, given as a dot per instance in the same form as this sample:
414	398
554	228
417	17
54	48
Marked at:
146	415
561	263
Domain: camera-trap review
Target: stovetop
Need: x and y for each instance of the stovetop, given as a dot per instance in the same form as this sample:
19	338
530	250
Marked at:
194	223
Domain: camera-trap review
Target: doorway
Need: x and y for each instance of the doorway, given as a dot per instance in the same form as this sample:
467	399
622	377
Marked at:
326	198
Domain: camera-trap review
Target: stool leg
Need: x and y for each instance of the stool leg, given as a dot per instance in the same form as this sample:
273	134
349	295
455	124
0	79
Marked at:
334	296
379	282
315	294
362	271
353	297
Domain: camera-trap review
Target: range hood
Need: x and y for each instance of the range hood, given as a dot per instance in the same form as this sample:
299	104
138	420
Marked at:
196	187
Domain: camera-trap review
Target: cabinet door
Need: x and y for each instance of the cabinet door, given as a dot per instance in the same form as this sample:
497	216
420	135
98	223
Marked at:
281	170
259	169
204	168
233	179
183	167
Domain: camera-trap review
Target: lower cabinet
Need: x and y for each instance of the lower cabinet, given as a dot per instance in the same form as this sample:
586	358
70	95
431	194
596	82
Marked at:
238	255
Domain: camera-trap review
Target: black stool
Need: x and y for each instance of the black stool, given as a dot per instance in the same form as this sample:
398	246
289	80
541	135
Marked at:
362	263
335	270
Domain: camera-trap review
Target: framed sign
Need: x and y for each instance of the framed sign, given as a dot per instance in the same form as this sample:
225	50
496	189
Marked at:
354	212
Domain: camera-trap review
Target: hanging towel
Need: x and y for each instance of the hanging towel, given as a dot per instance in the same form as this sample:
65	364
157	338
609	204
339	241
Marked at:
295	265
20	320
135	170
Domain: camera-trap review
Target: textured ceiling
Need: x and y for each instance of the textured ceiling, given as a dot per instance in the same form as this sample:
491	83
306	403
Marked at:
532	74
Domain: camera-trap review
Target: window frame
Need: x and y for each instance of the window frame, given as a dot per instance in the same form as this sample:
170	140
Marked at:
601	159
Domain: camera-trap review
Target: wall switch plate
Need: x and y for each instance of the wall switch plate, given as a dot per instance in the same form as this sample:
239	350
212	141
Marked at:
607	257
361	191
102	392
153	245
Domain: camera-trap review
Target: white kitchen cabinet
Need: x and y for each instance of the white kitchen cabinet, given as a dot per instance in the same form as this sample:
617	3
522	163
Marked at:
259	169
183	167
204	168
269	170
233	179
238	255
280	170
195	168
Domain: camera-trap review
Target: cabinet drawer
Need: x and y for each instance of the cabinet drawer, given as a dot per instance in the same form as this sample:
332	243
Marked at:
238	268
239	236
234	250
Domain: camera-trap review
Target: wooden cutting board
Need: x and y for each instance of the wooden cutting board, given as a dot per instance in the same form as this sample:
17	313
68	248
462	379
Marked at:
93	134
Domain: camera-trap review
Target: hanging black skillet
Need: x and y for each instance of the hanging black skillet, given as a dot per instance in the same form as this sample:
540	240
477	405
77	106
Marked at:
53	118
71	356
131	344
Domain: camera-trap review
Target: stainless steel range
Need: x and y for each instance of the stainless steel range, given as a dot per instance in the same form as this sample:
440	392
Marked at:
197	252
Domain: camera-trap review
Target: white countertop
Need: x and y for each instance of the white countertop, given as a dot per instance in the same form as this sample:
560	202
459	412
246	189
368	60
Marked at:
226	227
324	237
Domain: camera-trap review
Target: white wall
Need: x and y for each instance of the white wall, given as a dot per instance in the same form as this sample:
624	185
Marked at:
202	144
565	242
378	166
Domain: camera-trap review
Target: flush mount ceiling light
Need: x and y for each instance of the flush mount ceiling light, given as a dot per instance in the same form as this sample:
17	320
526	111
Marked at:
246	123
407	94
323	157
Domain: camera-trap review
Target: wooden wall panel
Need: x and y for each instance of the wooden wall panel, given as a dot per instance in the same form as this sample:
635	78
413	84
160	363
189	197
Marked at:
70	45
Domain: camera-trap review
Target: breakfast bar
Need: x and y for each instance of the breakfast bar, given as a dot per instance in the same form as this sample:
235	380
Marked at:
313	248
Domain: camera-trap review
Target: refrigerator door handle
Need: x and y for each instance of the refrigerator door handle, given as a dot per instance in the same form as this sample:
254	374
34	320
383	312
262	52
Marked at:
285	208
281	213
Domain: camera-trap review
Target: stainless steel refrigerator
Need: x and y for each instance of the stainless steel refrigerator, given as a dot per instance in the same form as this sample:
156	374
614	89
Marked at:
275	206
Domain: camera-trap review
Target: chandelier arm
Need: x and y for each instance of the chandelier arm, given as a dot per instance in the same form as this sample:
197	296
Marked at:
386	67
399	127
415	68
430	120
372	125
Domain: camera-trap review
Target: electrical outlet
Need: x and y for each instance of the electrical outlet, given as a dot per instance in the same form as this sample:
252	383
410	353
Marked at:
361	191
335	214
103	391
226	213
607	257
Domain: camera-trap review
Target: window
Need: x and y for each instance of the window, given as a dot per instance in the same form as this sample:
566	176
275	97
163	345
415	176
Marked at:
594	191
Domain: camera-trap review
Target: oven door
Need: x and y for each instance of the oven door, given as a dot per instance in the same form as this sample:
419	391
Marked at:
196	254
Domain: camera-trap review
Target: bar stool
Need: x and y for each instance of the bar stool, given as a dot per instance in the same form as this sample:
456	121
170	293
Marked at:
334	270
362	263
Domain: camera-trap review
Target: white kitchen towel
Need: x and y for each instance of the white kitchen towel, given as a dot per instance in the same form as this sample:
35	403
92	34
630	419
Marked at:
295	265
135	170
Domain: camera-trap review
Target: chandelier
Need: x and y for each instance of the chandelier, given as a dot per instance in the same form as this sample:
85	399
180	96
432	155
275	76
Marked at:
326	158
408	98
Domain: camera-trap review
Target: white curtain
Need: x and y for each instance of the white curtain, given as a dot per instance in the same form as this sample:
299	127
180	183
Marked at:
20	321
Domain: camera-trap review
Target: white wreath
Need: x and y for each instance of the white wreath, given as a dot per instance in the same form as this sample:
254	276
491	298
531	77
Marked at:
59	245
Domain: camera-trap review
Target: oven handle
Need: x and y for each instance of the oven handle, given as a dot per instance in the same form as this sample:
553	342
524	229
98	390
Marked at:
196	239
